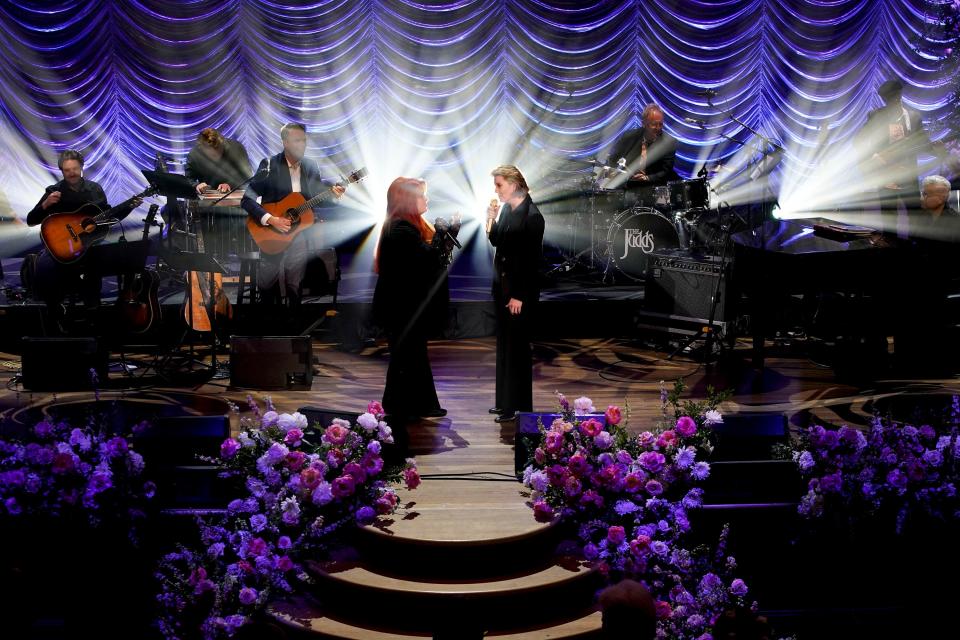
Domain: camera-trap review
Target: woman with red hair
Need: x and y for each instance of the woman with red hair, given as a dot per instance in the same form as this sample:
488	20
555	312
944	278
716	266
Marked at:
411	268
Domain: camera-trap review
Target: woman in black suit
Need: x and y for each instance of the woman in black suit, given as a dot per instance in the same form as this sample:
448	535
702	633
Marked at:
518	236
411	263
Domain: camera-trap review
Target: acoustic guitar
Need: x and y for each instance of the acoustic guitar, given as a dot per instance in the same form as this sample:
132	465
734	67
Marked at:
67	236
298	210
138	305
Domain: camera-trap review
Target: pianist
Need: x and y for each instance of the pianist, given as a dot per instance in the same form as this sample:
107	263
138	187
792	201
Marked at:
216	162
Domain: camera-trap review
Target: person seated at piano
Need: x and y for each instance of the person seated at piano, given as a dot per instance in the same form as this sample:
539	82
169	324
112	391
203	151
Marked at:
647	154
923	340
53	280
278	176
216	162
887	147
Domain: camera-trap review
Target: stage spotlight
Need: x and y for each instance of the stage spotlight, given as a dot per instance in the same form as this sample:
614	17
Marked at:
775	213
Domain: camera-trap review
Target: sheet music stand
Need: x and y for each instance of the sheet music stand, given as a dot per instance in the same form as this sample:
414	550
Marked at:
184	261
116	258
171	185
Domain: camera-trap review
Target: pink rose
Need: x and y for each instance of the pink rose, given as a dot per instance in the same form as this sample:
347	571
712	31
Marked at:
310	478
591	427
411	478
614	414
686	426
375	408
667	439
294	437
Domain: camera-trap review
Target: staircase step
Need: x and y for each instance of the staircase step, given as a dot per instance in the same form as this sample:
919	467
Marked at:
306	617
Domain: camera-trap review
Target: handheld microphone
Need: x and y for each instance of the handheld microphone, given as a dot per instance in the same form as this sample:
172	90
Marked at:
493	203
442	226
699	123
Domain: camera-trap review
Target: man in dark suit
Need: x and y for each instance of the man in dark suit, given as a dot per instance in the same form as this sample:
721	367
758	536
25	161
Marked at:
518	236
887	147
647	154
279	176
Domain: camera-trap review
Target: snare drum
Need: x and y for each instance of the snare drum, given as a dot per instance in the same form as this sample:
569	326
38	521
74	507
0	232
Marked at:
661	198
636	233
688	194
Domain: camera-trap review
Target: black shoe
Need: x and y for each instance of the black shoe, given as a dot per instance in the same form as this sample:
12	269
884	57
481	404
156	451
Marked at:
505	417
495	410
439	412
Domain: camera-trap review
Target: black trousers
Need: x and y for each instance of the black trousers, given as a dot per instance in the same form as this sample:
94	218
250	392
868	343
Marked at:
409	390
514	357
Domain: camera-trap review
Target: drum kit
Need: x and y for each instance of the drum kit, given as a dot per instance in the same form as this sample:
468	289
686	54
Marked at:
626	226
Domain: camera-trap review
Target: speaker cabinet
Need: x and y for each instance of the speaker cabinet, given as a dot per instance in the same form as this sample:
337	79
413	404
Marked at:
271	362
683	285
62	364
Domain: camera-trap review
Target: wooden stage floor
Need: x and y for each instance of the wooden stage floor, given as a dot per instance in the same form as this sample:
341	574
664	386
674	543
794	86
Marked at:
468	441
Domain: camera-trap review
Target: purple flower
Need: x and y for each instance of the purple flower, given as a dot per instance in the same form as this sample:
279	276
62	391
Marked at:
365	515
654	488
542	512
616	535
12	506
603	440
229	448
738	587
258	522
933	457
248	595
43	430
831	482
897	479
283	542
700	471
686	426
590	551
116	447
652	460
294	437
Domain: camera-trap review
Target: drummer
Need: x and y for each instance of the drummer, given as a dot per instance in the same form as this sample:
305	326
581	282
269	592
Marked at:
645	155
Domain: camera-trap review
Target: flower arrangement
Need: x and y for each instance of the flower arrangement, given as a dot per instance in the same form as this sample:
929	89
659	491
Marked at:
896	468
86	474
630	495
302	485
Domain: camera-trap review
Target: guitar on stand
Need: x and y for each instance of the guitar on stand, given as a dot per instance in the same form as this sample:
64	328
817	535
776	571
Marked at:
298	210
138	305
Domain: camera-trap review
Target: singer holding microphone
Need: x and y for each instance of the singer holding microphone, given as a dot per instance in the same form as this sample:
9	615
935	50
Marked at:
410	298
516	230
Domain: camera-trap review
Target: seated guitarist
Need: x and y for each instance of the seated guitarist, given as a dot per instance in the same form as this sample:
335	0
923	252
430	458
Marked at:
54	280
279	176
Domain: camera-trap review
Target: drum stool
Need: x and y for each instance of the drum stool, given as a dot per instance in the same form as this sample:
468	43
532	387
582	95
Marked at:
247	277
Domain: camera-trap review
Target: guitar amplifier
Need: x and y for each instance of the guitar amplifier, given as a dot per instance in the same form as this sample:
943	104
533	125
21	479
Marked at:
271	362
682	285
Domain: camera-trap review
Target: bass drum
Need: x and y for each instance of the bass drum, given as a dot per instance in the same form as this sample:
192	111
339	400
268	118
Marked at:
634	235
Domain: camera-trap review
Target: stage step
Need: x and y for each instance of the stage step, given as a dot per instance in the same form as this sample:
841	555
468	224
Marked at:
306	617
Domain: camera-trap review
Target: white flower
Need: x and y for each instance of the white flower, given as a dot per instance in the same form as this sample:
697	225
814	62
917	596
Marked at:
245	440
287	422
712	417
583	405
269	419
806	461
368	421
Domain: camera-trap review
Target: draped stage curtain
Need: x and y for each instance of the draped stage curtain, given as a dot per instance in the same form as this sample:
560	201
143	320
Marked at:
417	87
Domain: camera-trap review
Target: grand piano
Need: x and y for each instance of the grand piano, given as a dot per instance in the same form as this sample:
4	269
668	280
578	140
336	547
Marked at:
809	256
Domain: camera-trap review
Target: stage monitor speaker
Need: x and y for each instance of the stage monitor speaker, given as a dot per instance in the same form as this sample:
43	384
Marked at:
683	285
271	362
61	364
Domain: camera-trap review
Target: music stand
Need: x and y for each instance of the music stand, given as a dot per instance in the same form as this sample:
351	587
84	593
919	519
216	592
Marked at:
116	258
185	261
171	185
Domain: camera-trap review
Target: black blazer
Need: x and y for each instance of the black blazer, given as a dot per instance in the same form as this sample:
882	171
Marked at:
661	157
518	237
412	280
275	184
232	168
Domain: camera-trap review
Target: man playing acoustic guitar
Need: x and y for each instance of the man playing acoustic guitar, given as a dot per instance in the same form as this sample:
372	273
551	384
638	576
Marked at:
55	279
282	265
